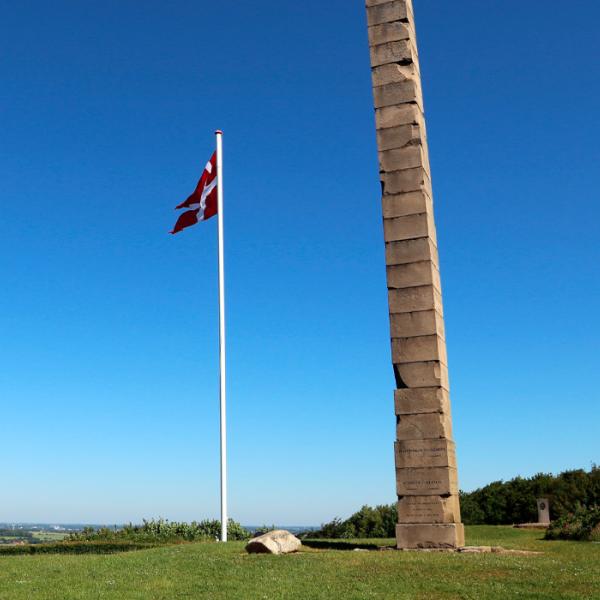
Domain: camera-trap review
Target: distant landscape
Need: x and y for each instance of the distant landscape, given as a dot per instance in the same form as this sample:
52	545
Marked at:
37	533
34	533
498	503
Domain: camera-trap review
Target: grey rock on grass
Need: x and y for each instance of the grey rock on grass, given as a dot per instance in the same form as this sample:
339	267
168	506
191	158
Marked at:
278	541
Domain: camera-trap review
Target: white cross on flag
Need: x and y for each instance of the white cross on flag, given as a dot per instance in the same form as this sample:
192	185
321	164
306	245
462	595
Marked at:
203	201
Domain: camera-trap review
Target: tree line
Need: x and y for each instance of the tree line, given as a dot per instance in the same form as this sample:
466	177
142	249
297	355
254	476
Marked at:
498	503
514	501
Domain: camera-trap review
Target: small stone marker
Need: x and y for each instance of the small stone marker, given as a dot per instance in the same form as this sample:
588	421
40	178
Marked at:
543	511
278	541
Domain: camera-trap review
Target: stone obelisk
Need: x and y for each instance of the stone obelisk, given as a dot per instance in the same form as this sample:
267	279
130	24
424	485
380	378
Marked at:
426	480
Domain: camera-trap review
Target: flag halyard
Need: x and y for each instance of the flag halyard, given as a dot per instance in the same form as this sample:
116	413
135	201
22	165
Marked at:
203	201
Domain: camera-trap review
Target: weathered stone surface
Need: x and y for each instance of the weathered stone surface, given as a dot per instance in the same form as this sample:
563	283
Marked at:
393	116
411	203
409	401
399	159
411	156
387	12
419	349
422	374
414	250
398	93
376	2
395	73
428	481
425	452
543	506
393	52
495	550
417	324
451	535
278	541
389	32
476	549
425	426
398	137
413	274
428	509
409	180
411	299
426	165
408	227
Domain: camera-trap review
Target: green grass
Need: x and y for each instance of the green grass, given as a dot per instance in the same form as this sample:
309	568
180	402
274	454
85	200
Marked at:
49	536
225	571
40	536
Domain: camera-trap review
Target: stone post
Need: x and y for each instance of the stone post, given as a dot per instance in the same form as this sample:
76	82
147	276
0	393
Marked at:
427	486
543	506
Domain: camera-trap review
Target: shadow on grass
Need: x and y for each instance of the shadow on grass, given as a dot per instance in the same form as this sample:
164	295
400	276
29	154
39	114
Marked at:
95	547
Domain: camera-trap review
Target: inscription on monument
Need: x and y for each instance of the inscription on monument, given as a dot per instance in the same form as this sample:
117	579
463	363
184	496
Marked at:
427	509
425	453
426	481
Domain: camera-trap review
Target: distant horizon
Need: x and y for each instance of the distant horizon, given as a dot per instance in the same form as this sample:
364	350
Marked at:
119	523
79	526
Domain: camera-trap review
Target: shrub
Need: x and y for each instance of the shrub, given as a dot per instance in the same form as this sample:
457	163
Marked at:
580	525
368	522
164	531
79	547
471	512
514	501
498	503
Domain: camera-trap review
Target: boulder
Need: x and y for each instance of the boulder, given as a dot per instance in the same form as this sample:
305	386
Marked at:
278	541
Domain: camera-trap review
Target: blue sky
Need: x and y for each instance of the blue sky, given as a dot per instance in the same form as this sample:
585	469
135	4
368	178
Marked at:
109	372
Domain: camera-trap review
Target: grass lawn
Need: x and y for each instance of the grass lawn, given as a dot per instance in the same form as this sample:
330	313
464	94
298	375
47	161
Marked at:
225	571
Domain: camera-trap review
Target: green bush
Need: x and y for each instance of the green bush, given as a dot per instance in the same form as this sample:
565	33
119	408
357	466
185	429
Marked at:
514	501
498	503
368	522
164	531
149	534
78	547
580	525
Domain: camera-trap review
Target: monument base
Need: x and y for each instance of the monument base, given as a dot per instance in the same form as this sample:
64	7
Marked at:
414	536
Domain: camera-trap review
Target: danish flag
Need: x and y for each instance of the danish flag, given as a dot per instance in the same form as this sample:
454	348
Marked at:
203	201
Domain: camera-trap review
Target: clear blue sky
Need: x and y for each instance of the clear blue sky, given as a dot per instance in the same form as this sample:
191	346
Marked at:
108	360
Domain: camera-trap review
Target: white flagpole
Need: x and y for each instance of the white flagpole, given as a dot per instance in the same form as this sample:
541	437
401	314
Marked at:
222	394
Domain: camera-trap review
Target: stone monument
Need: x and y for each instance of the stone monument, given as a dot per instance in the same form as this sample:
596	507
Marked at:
543	507
427	486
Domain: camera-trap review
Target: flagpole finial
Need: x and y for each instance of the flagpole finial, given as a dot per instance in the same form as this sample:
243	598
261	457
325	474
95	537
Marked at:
218	131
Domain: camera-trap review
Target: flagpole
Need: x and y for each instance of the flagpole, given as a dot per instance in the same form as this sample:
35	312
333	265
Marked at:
222	388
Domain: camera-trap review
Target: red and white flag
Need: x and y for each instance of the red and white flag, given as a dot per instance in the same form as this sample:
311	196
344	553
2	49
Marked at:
203	201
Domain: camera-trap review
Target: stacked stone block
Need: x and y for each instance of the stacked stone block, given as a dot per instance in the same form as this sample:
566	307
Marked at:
426	477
